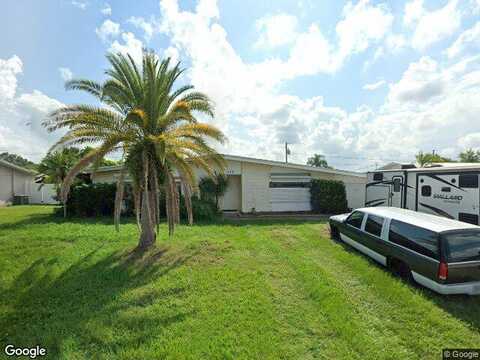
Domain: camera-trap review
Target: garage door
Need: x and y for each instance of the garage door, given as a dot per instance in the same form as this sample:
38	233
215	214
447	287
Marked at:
290	193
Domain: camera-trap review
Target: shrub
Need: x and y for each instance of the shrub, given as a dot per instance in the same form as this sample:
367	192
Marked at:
97	200
89	200
328	196
202	209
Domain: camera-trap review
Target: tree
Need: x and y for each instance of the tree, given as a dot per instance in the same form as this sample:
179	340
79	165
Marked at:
153	125
18	160
213	188
56	165
424	159
318	160
470	156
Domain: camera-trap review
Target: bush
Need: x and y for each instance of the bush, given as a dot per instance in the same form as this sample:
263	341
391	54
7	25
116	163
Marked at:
202	209
90	200
328	196
97	199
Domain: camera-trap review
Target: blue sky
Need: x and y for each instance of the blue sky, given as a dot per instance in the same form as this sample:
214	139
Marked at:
363	82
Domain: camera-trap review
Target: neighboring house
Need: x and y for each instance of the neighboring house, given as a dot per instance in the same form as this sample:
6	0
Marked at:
396	166
256	185
14	181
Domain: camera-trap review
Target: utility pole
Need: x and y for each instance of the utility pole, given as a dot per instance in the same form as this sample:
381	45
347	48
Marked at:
286	152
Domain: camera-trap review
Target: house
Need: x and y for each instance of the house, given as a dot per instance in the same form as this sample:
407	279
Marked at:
396	166
14	181
256	185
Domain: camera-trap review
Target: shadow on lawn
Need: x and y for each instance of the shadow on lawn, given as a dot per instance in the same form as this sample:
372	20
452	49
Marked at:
42	219
463	307
84	303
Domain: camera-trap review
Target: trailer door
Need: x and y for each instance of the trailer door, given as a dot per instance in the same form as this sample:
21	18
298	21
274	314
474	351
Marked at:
455	196
396	191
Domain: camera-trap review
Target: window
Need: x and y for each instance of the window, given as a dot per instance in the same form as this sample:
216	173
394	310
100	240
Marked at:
278	184
446	189
468	181
355	219
463	247
426	190
396	184
374	225
377	177
420	240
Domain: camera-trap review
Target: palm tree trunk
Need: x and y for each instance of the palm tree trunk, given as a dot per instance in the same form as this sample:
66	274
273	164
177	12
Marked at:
147	236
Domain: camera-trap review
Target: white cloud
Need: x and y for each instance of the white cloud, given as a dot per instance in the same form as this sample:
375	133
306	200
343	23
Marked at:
276	30
374	86
470	37
65	73
148	27
420	82
22	114
431	26
8	76
131	45
361	25
172	53
106	10
108	30
413	12
80	4
429	107
470	141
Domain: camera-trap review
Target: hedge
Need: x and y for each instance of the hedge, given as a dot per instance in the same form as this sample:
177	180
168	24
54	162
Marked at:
98	199
328	196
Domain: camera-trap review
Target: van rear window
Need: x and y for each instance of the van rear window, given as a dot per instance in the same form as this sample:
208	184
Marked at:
463	246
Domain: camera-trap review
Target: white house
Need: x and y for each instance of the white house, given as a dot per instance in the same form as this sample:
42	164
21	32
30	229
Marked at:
256	185
14	181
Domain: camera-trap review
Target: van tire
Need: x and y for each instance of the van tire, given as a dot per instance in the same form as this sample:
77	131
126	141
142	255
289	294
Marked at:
399	268
334	234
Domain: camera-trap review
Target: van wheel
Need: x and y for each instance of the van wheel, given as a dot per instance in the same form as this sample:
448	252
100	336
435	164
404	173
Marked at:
400	269
334	234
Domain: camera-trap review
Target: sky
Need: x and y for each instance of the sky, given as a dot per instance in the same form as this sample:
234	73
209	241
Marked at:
362	82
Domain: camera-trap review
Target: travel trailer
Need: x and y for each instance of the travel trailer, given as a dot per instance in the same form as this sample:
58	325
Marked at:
450	190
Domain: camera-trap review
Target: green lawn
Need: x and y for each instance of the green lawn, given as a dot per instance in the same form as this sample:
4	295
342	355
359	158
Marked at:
261	290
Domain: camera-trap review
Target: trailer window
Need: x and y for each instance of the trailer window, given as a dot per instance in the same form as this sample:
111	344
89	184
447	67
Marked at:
355	219
396	185
374	225
377	177
426	190
420	240
468	181
463	247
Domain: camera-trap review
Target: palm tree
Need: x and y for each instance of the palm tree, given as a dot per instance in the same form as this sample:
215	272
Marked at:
318	160
153	125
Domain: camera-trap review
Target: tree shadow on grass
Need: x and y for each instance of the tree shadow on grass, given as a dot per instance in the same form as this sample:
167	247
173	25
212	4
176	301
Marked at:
463	307
87	303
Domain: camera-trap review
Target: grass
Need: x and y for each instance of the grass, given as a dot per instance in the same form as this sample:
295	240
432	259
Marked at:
262	290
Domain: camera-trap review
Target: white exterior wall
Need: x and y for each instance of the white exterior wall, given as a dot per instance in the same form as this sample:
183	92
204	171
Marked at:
251	185
255	187
45	195
14	182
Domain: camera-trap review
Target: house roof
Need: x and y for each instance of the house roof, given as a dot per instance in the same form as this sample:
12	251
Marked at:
16	167
265	162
